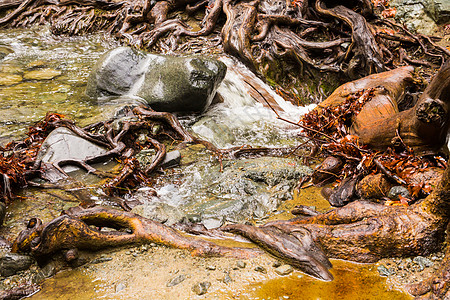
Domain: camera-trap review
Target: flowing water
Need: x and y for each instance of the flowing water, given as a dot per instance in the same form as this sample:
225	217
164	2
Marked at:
46	73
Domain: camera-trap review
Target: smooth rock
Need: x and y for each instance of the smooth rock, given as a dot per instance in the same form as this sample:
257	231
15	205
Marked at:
120	287
172	159
62	144
9	79
167	83
261	269
201	288
11	263
397	191
42	74
284	270
241	264
176	280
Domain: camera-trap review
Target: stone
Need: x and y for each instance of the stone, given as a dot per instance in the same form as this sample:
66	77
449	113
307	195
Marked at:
49	270
383	271
201	288
167	83
227	279
9	79
423	262
120	287
415	15
11	263
276	264
284	270
42	74
172	159
261	269
241	264
176	280
397	191
62	144
100	260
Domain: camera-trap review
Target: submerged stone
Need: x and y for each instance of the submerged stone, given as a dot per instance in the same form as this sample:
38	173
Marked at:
167	83
176	280
42	74
9	79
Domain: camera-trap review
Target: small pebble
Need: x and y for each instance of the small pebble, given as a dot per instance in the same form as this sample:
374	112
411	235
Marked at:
383	271
227	279
261	269
120	287
100	260
176	280
276	264
284	270
240	264
201	288
210	268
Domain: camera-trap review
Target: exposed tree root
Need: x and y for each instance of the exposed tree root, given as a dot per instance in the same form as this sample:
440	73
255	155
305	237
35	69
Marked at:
72	231
262	33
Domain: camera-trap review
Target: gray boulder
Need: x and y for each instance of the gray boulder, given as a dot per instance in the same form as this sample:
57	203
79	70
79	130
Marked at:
166	83
63	144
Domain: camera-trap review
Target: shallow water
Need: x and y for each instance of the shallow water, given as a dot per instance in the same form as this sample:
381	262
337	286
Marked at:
64	65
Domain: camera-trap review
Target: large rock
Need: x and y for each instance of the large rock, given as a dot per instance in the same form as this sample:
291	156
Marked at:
167	83
63	144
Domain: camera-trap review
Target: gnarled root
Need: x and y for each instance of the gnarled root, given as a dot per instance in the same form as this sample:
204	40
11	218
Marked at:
360	231
73	230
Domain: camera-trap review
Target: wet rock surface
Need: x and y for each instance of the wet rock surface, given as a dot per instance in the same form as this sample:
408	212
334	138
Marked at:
63	144
167	83
246	190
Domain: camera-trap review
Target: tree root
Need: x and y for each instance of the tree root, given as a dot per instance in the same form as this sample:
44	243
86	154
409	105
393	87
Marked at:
257	32
73	230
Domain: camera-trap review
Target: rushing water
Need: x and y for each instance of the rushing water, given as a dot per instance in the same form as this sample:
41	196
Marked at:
47	73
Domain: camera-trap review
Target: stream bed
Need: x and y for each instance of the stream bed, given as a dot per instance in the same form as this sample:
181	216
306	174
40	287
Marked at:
41	73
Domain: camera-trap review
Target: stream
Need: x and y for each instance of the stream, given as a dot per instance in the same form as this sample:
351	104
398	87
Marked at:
41	73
